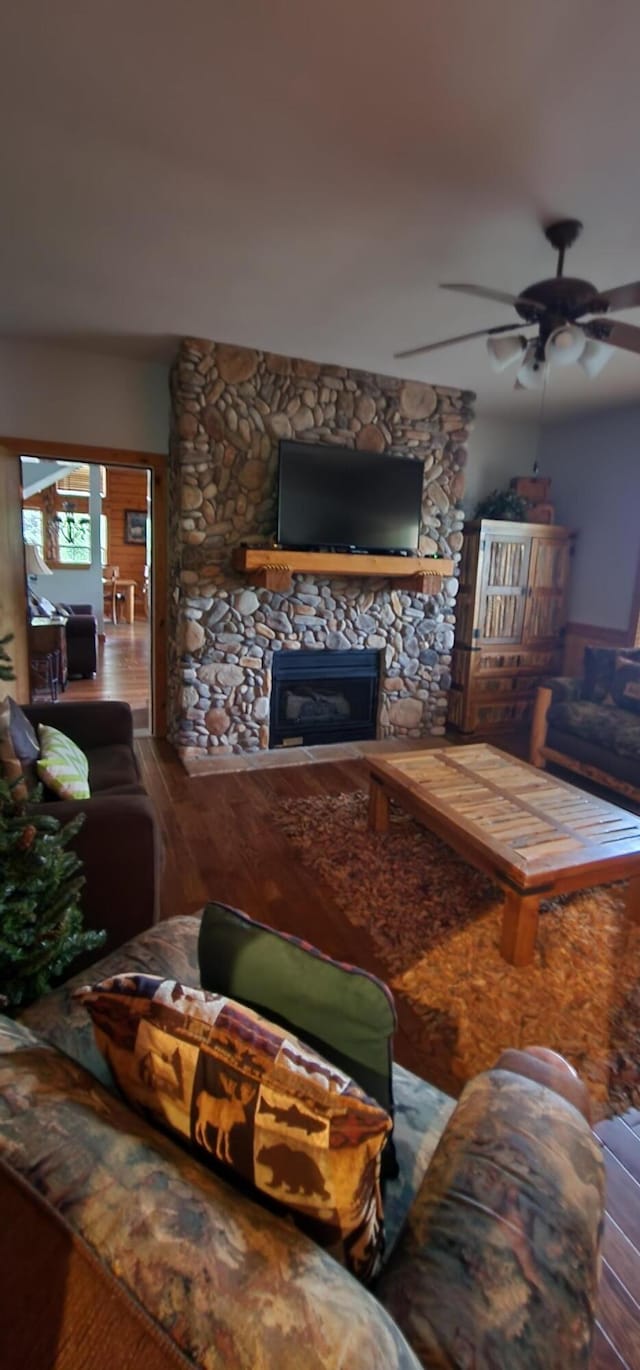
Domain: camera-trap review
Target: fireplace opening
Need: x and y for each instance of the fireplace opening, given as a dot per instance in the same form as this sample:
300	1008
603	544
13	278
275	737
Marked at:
323	696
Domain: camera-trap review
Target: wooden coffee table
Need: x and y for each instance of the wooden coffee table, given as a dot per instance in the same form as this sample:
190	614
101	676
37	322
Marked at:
536	836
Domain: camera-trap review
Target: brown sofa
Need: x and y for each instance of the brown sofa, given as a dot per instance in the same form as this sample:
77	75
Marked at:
584	724
81	632
119	842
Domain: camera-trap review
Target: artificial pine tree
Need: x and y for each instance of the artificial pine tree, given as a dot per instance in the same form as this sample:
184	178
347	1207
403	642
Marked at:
6	672
40	918
41	928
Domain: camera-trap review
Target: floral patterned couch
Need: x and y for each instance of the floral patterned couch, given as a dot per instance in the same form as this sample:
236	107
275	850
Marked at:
136	1253
580	723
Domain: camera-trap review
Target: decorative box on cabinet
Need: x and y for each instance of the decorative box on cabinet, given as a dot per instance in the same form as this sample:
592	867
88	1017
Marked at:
510	619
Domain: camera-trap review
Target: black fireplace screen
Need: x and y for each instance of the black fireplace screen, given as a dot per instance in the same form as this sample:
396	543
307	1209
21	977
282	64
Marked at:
323	696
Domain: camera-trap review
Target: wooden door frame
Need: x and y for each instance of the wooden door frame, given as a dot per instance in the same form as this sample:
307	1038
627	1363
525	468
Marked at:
158	464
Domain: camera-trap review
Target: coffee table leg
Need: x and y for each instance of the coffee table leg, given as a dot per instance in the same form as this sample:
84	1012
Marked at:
519	927
378	807
632	900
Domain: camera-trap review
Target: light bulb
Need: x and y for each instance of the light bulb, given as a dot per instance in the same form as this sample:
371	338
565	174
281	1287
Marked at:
565	345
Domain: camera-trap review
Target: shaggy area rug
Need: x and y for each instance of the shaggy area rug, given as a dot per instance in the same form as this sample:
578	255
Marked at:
435	925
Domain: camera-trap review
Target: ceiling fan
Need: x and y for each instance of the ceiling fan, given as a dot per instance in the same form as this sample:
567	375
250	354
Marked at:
554	308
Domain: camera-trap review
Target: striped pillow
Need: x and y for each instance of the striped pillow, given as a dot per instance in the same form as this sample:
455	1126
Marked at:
62	765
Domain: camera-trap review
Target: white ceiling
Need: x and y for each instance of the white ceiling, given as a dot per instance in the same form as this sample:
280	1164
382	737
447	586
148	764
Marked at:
300	174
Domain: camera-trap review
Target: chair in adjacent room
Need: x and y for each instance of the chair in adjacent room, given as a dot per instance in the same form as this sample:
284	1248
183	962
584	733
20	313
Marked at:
113	596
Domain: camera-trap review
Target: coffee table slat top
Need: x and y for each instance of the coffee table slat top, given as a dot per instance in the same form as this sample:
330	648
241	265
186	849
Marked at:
529	822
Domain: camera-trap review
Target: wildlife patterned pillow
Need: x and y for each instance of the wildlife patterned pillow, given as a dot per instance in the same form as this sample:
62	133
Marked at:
255	1098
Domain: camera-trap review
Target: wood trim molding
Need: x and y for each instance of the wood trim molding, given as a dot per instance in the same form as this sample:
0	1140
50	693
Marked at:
618	637
158	463
634	618
13	597
75	451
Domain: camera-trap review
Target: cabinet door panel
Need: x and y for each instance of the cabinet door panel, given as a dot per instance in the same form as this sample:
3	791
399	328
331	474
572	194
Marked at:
549	576
505	570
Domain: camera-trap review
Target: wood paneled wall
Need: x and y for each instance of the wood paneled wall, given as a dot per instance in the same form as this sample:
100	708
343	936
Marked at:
580	635
126	489
13	599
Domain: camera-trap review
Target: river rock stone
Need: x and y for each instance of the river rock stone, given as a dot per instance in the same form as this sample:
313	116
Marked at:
370	439
191	497
236	363
227	676
217	722
365	408
279	425
302	419
418	401
187	425
277	365
192	635
251	475
247	603
405	713
438	495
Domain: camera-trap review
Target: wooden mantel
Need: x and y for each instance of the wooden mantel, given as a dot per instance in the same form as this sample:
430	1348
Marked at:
273	569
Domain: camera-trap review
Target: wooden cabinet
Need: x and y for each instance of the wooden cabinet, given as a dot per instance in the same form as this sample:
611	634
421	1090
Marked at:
510	619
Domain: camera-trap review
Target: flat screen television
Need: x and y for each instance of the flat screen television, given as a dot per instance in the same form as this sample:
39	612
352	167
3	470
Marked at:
343	499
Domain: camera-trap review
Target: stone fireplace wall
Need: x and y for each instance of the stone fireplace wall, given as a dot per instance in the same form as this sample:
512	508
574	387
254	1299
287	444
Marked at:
230	406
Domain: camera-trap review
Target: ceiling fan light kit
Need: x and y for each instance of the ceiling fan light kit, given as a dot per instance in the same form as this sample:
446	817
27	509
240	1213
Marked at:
594	357
504	352
531	373
565	345
555	307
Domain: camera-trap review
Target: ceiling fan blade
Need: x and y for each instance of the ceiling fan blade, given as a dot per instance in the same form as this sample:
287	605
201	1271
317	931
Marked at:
461	337
625	335
502	296
621	297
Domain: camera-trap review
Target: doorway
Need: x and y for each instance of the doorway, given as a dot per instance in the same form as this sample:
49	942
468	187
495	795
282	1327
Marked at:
87	537
108	524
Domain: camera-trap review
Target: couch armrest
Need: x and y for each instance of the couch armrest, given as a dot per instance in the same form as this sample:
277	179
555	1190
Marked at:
553	690
498	1263
81	625
89	723
120	846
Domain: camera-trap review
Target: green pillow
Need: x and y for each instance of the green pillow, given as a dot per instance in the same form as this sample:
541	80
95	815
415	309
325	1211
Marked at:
340	1010
62	766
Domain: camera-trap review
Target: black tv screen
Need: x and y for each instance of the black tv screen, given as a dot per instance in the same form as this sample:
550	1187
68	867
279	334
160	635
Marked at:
336	497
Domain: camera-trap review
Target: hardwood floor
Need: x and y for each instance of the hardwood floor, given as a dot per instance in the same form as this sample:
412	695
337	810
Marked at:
123	670
221	843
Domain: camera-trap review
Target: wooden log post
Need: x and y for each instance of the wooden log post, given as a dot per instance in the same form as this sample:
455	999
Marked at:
538	738
378	807
519	927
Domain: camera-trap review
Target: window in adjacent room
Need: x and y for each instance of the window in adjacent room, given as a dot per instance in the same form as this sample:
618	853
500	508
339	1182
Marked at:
33	528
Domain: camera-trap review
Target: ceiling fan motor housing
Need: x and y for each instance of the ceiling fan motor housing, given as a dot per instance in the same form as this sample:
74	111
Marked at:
562	298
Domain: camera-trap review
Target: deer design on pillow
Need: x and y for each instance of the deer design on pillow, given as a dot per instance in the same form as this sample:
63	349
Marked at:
223	1114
